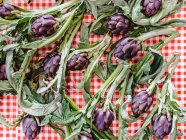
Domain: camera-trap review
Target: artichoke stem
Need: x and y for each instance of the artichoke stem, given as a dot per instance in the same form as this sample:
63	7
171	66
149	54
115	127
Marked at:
166	31
115	84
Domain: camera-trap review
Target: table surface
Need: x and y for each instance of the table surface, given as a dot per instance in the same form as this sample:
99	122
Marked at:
9	107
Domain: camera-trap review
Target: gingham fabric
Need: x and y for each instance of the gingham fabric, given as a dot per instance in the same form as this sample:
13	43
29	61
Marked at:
9	107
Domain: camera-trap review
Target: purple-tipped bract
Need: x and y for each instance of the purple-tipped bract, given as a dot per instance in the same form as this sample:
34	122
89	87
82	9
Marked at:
103	119
151	7
78	62
141	103
51	64
30	127
127	48
119	24
44	25
161	125
6	11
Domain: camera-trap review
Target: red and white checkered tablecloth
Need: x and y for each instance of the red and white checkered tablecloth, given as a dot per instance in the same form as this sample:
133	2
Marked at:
9	107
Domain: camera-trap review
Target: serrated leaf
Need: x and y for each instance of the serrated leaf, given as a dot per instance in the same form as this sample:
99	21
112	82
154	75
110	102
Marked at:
45	120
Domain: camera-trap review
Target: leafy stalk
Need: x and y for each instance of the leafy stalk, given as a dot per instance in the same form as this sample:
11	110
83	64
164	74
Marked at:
148	56
58	35
122	123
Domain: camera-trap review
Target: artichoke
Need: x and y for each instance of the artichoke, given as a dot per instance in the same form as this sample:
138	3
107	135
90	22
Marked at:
119	24
44	25
127	48
30	127
3	75
103	119
78	62
85	136
161	125
6	11
141	103
51	64
151	7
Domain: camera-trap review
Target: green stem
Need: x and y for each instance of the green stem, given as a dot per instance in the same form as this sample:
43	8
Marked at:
8	21
112	77
65	49
115	84
122	123
173	57
24	68
67	131
53	9
166	31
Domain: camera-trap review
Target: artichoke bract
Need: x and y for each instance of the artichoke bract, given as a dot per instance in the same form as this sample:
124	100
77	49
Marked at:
85	136
44	25
3	75
151	7
78	62
127	48
141	103
119	24
51	64
103	119
6	11
161	125
30	127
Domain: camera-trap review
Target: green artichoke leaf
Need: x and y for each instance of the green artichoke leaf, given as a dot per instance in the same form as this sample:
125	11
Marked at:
77	129
5	86
45	120
84	34
102	71
153	68
33	107
123	5
92	6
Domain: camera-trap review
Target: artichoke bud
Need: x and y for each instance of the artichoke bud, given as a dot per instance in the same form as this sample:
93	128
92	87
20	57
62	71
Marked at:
151	7
30	127
85	136
141	103
44	25
3	75
127	48
6	11
103	118
119	24
161	125
51	64
78	62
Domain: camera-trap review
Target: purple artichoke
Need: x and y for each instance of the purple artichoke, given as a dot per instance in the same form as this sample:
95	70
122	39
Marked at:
119	24
127	48
51	64
3	75
103	119
78	62
30	127
151	7
44	25
6	11
141	103
161	125
85	136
